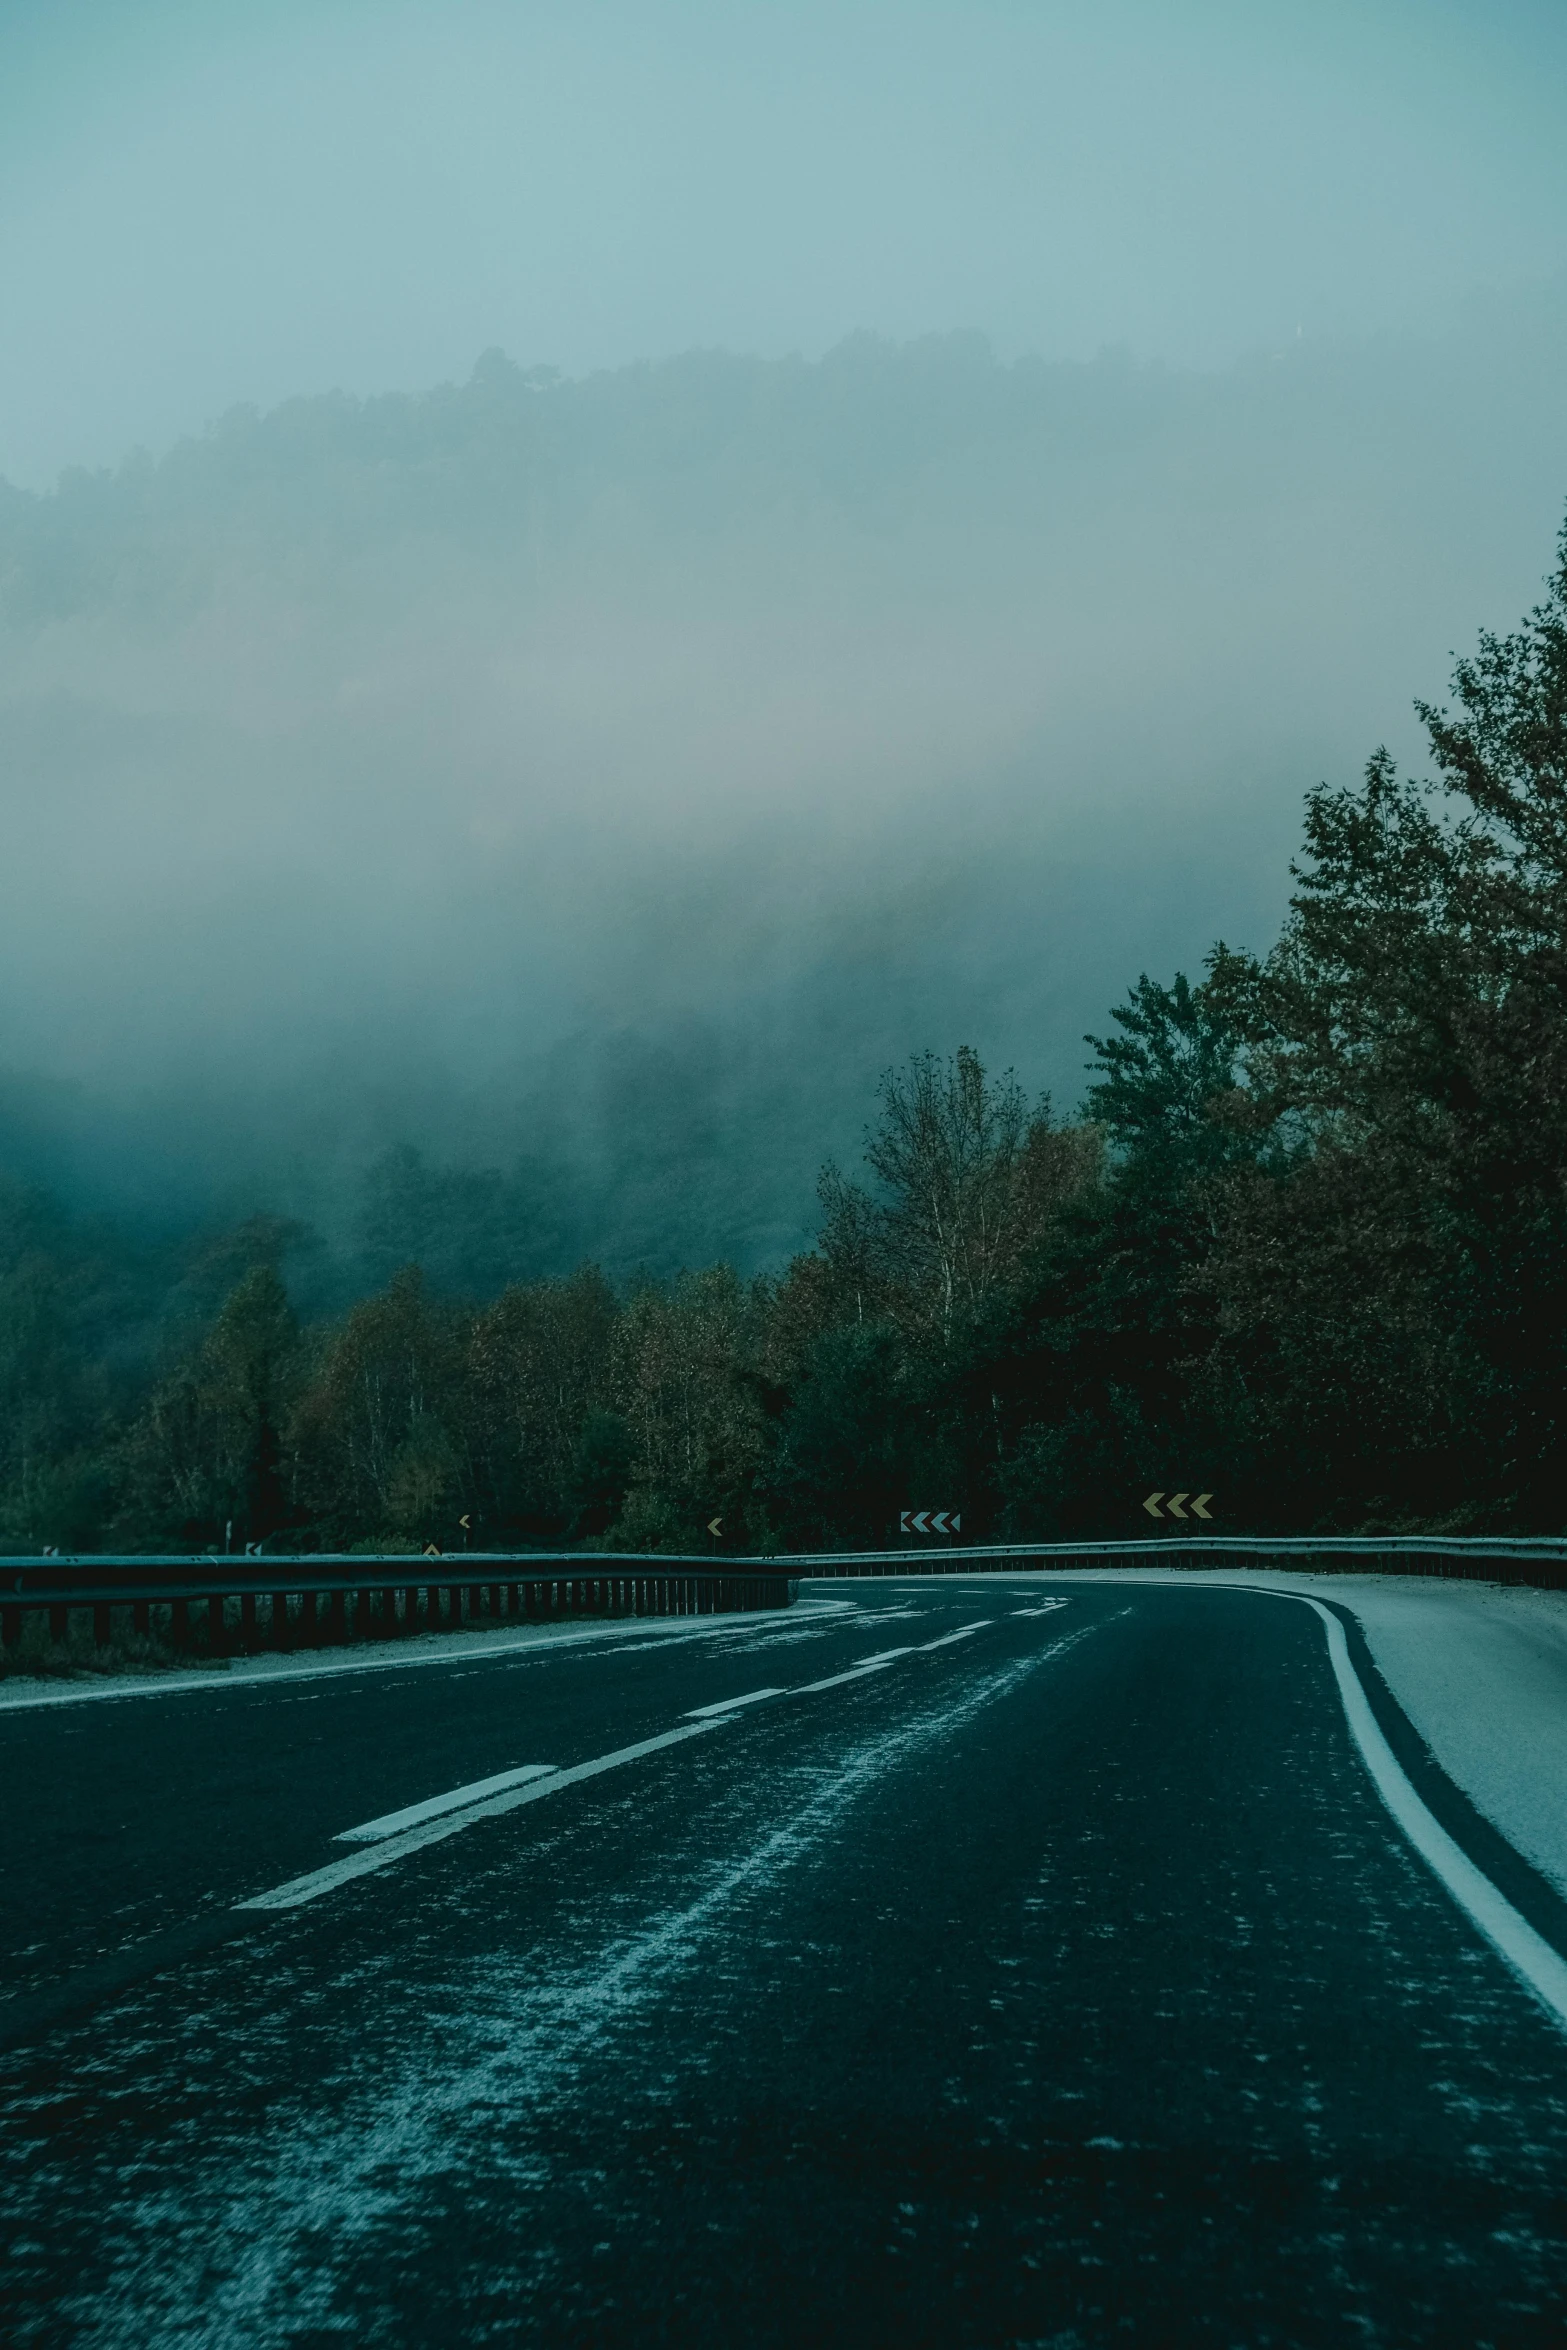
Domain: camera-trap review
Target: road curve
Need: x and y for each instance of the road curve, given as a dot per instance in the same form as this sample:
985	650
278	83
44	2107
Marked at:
995	1961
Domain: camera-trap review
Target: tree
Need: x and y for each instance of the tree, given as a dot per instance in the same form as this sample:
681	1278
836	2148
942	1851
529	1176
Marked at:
1395	1267
694	1419
208	1451
1166	1080
969	1177
384	1433
540	1370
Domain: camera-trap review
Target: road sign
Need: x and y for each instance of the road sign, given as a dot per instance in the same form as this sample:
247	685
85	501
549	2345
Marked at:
431	1551
715	1527
1175	1505
465	1523
930	1522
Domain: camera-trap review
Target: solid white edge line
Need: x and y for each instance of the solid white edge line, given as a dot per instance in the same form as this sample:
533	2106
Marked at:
1530	1956
1527	1952
299	1890
392	1823
727	1705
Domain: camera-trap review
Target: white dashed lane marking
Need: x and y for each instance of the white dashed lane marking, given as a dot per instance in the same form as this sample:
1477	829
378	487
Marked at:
392	1823
727	1705
299	1890
872	1664
397	1834
961	1633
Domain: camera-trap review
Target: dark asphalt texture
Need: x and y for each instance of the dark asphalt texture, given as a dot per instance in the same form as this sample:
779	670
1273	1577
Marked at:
1062	1985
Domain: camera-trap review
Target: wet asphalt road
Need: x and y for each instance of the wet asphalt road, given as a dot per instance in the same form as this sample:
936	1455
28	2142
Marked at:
1063	1983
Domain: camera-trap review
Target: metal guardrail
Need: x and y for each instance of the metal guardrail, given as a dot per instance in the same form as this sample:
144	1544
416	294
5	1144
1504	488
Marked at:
307	1601
1540	1560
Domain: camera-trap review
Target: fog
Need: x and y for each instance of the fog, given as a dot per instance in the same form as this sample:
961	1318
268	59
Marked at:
604	773
201	206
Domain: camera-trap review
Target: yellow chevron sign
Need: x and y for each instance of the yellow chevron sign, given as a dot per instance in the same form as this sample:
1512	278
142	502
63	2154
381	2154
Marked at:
1175	1505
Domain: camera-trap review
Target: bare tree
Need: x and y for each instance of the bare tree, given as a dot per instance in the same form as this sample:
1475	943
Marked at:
970	1173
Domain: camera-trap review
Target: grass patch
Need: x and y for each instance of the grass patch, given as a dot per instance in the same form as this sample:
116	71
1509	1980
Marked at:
39	1656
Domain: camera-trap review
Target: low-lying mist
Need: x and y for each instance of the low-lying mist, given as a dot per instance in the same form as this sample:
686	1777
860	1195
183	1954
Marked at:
599	782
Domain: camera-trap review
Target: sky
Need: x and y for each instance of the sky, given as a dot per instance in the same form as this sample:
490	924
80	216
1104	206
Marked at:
999	458
209	204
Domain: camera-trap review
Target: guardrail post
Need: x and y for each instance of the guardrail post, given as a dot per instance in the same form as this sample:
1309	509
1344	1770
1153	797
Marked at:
100	1624
280	1627
338	1615
141	1618
179	1623
247	1619
217	1628
11	1625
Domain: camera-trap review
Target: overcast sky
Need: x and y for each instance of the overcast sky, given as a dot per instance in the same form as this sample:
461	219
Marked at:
206	204
632	766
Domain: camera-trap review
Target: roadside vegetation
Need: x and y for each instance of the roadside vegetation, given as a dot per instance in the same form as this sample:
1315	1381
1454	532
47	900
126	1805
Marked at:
1303	1245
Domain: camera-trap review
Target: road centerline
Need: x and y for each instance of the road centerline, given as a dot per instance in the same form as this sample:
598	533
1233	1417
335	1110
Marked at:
310	1887
394	1836
392	1823
962	1633
872	1664
728	1705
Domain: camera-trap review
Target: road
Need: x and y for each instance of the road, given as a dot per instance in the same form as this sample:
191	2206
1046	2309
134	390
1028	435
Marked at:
1036	1964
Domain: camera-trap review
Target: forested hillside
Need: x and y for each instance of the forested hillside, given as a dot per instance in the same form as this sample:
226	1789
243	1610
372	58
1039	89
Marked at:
601	779
1304	1245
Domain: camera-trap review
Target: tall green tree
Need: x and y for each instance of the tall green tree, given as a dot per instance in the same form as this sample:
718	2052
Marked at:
205	1462
1395	1268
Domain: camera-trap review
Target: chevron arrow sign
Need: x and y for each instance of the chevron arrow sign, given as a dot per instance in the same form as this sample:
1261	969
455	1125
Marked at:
1179	1505
931	1522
